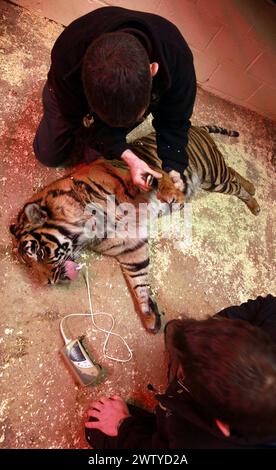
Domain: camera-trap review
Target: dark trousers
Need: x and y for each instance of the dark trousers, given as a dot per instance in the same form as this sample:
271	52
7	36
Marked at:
99	440
54	139
57	140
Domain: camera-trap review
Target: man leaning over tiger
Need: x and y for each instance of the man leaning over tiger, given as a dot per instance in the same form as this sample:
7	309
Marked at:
119	65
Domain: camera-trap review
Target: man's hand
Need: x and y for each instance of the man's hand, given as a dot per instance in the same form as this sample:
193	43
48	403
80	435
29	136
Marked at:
109	412
139	170
177	180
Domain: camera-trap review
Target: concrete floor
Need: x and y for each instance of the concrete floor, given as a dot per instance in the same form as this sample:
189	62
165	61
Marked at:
230	260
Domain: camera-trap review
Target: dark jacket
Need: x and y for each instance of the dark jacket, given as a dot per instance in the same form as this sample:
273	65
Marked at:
179	424
174	86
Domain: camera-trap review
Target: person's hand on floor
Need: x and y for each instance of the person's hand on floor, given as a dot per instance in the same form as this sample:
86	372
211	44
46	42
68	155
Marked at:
107	414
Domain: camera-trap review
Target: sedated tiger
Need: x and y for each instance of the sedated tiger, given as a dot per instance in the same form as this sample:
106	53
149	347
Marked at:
50	231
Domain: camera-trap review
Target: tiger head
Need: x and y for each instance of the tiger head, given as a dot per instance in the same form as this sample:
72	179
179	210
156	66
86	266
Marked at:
48	246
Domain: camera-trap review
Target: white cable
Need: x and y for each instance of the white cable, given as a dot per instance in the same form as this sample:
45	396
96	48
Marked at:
92	315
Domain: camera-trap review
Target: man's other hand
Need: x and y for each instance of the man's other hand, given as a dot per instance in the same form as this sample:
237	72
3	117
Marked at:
177	180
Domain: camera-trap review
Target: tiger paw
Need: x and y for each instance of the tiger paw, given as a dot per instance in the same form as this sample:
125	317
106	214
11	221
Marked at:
253	206
152	319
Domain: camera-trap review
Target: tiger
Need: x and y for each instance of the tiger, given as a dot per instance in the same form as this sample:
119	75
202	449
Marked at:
50	234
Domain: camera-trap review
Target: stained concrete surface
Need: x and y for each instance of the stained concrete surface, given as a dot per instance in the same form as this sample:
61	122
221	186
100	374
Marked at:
231	259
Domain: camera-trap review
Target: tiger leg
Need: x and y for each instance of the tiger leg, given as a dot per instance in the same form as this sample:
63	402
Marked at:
236	185
136	275
245	192
247	185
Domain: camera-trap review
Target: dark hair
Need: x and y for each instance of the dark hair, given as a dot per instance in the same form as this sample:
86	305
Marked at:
116	78
230	370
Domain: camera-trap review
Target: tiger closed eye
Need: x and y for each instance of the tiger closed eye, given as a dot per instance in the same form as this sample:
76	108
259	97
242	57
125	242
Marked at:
40	253
25	257
47	251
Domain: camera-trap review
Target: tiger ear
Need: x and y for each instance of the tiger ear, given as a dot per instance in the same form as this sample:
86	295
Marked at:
34	214
13	230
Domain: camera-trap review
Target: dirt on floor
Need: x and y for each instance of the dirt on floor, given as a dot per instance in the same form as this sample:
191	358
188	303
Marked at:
231	259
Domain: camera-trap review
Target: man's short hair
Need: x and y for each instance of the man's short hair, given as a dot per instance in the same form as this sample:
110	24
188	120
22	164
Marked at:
230	370
117	79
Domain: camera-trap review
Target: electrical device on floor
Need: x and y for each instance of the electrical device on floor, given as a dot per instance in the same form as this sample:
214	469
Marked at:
84	368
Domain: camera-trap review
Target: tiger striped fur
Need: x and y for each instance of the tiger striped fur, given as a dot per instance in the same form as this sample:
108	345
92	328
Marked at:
207	168
49	233
220	130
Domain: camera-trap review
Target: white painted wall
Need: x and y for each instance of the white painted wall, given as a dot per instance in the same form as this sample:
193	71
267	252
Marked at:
233	41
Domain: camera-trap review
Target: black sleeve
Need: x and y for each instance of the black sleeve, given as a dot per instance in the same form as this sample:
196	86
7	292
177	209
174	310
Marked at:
171	118
110	142
134	434
260	312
